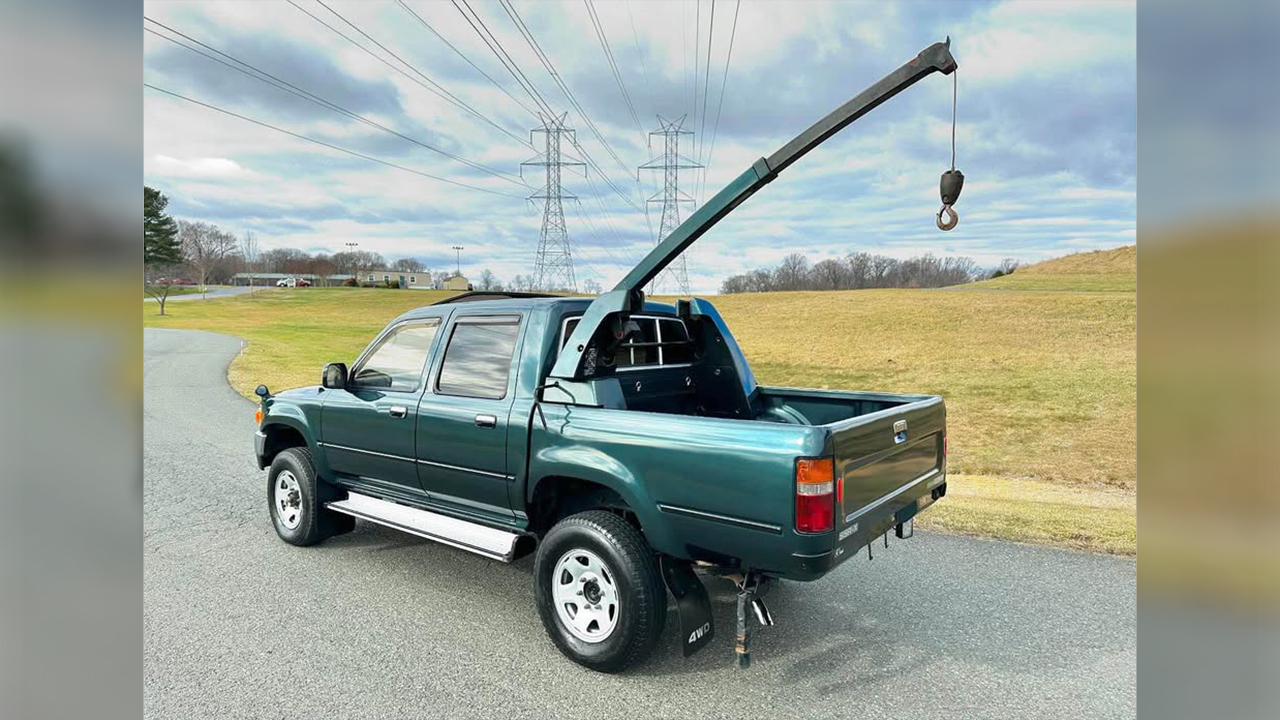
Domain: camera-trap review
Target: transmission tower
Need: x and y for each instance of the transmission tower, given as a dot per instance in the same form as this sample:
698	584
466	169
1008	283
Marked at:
553	269
675	278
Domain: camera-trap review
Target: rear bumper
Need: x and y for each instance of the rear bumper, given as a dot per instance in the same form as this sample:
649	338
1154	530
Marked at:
868	524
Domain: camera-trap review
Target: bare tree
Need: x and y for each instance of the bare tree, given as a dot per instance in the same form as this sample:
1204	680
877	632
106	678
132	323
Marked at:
1006	267
793	273
158	281
858	270
204	245
322	267
829	275
489	281
409	264
252	256
591	287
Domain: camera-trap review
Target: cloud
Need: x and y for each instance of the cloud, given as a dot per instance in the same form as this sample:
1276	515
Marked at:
200	167
1046	135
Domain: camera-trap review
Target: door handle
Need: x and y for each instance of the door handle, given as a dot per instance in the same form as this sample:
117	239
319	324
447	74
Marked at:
486	421
398	411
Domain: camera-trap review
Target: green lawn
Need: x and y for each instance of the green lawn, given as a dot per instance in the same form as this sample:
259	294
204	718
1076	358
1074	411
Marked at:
1039	371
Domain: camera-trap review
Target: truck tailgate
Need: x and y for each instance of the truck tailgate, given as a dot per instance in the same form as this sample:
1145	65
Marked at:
885	461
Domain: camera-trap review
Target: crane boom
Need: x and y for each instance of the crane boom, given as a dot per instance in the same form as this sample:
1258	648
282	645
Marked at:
627	296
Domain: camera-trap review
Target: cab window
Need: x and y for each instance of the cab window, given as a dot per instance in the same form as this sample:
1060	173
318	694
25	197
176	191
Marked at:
477	362
396	363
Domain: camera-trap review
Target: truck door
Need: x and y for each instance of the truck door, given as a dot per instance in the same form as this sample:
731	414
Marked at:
367	429
465	412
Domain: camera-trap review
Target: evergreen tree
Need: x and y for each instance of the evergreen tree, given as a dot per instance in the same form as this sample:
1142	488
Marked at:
159	231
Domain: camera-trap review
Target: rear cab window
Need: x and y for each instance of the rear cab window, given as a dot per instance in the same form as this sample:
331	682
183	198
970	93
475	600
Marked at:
643	349
477	361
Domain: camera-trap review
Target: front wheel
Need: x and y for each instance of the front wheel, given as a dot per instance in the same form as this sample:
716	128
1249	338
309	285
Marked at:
599	591
297	497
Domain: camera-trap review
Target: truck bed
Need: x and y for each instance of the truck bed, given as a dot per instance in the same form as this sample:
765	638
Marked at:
726	487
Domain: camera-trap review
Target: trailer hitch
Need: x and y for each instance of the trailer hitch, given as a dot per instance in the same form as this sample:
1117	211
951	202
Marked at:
751	590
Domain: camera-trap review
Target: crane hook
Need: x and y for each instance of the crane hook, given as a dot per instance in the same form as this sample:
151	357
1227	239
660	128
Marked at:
952	218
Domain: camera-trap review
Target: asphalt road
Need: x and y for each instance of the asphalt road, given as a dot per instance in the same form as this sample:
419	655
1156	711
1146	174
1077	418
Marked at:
378	624
213	293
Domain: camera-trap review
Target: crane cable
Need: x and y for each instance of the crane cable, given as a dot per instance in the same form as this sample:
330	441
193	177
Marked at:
952	180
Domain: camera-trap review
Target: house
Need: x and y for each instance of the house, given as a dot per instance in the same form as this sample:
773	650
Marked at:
457	282
411	280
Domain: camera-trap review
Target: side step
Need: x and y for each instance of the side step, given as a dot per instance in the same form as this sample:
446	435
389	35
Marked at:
479	539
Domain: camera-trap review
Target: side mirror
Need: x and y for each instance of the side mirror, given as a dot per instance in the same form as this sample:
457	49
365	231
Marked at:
261	391
334	376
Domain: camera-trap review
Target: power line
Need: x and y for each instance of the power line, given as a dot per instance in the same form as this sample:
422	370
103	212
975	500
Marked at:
442	93
459	53
495	46
697	57
720	106
550	68
706	80
331	146
624	263
402	61
286	86
613	65
644	70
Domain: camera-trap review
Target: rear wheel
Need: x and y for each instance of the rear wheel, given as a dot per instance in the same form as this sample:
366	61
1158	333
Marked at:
296	499
599	591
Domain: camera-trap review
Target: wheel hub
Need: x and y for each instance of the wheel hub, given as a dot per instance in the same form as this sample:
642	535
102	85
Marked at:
586	595
287	497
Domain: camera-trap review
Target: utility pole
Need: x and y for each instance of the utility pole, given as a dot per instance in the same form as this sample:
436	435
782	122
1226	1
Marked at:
457	250
355	262
553	269
675	278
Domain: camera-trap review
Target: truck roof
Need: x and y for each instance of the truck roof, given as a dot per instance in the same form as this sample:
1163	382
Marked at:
513	301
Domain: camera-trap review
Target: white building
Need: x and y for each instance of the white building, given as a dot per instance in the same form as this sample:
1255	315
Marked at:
411	280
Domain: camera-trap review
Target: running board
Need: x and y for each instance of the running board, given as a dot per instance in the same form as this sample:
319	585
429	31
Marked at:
479	539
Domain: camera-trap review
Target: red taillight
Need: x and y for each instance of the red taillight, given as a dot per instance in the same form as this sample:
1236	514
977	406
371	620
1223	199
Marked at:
815	495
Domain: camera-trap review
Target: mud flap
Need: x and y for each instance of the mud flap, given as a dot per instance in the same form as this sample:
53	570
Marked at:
696	626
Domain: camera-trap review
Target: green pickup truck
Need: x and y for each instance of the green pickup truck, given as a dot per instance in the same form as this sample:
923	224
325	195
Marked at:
624	441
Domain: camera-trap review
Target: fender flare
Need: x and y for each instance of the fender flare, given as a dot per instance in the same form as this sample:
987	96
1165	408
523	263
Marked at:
591	465
293	419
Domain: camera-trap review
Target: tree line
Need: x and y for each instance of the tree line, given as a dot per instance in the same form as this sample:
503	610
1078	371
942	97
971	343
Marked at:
177	251
861	270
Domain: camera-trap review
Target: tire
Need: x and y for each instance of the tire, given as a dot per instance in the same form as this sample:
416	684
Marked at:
620	614
296	498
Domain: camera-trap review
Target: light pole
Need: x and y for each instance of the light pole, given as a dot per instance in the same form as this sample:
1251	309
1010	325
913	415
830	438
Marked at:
355	264
458	252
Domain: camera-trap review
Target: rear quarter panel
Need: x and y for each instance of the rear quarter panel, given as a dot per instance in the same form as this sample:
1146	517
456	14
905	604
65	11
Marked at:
701	487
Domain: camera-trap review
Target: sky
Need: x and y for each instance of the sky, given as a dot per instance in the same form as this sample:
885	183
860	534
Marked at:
1046	131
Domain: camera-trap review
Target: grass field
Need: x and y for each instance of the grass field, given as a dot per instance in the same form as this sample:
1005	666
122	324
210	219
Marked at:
1039	370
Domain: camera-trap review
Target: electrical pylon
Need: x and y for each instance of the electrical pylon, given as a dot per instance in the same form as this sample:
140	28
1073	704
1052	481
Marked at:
675	278
553	269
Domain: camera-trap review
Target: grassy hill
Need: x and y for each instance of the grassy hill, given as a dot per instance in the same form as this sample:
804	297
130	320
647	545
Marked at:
1039	370
1118	261
1097	271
